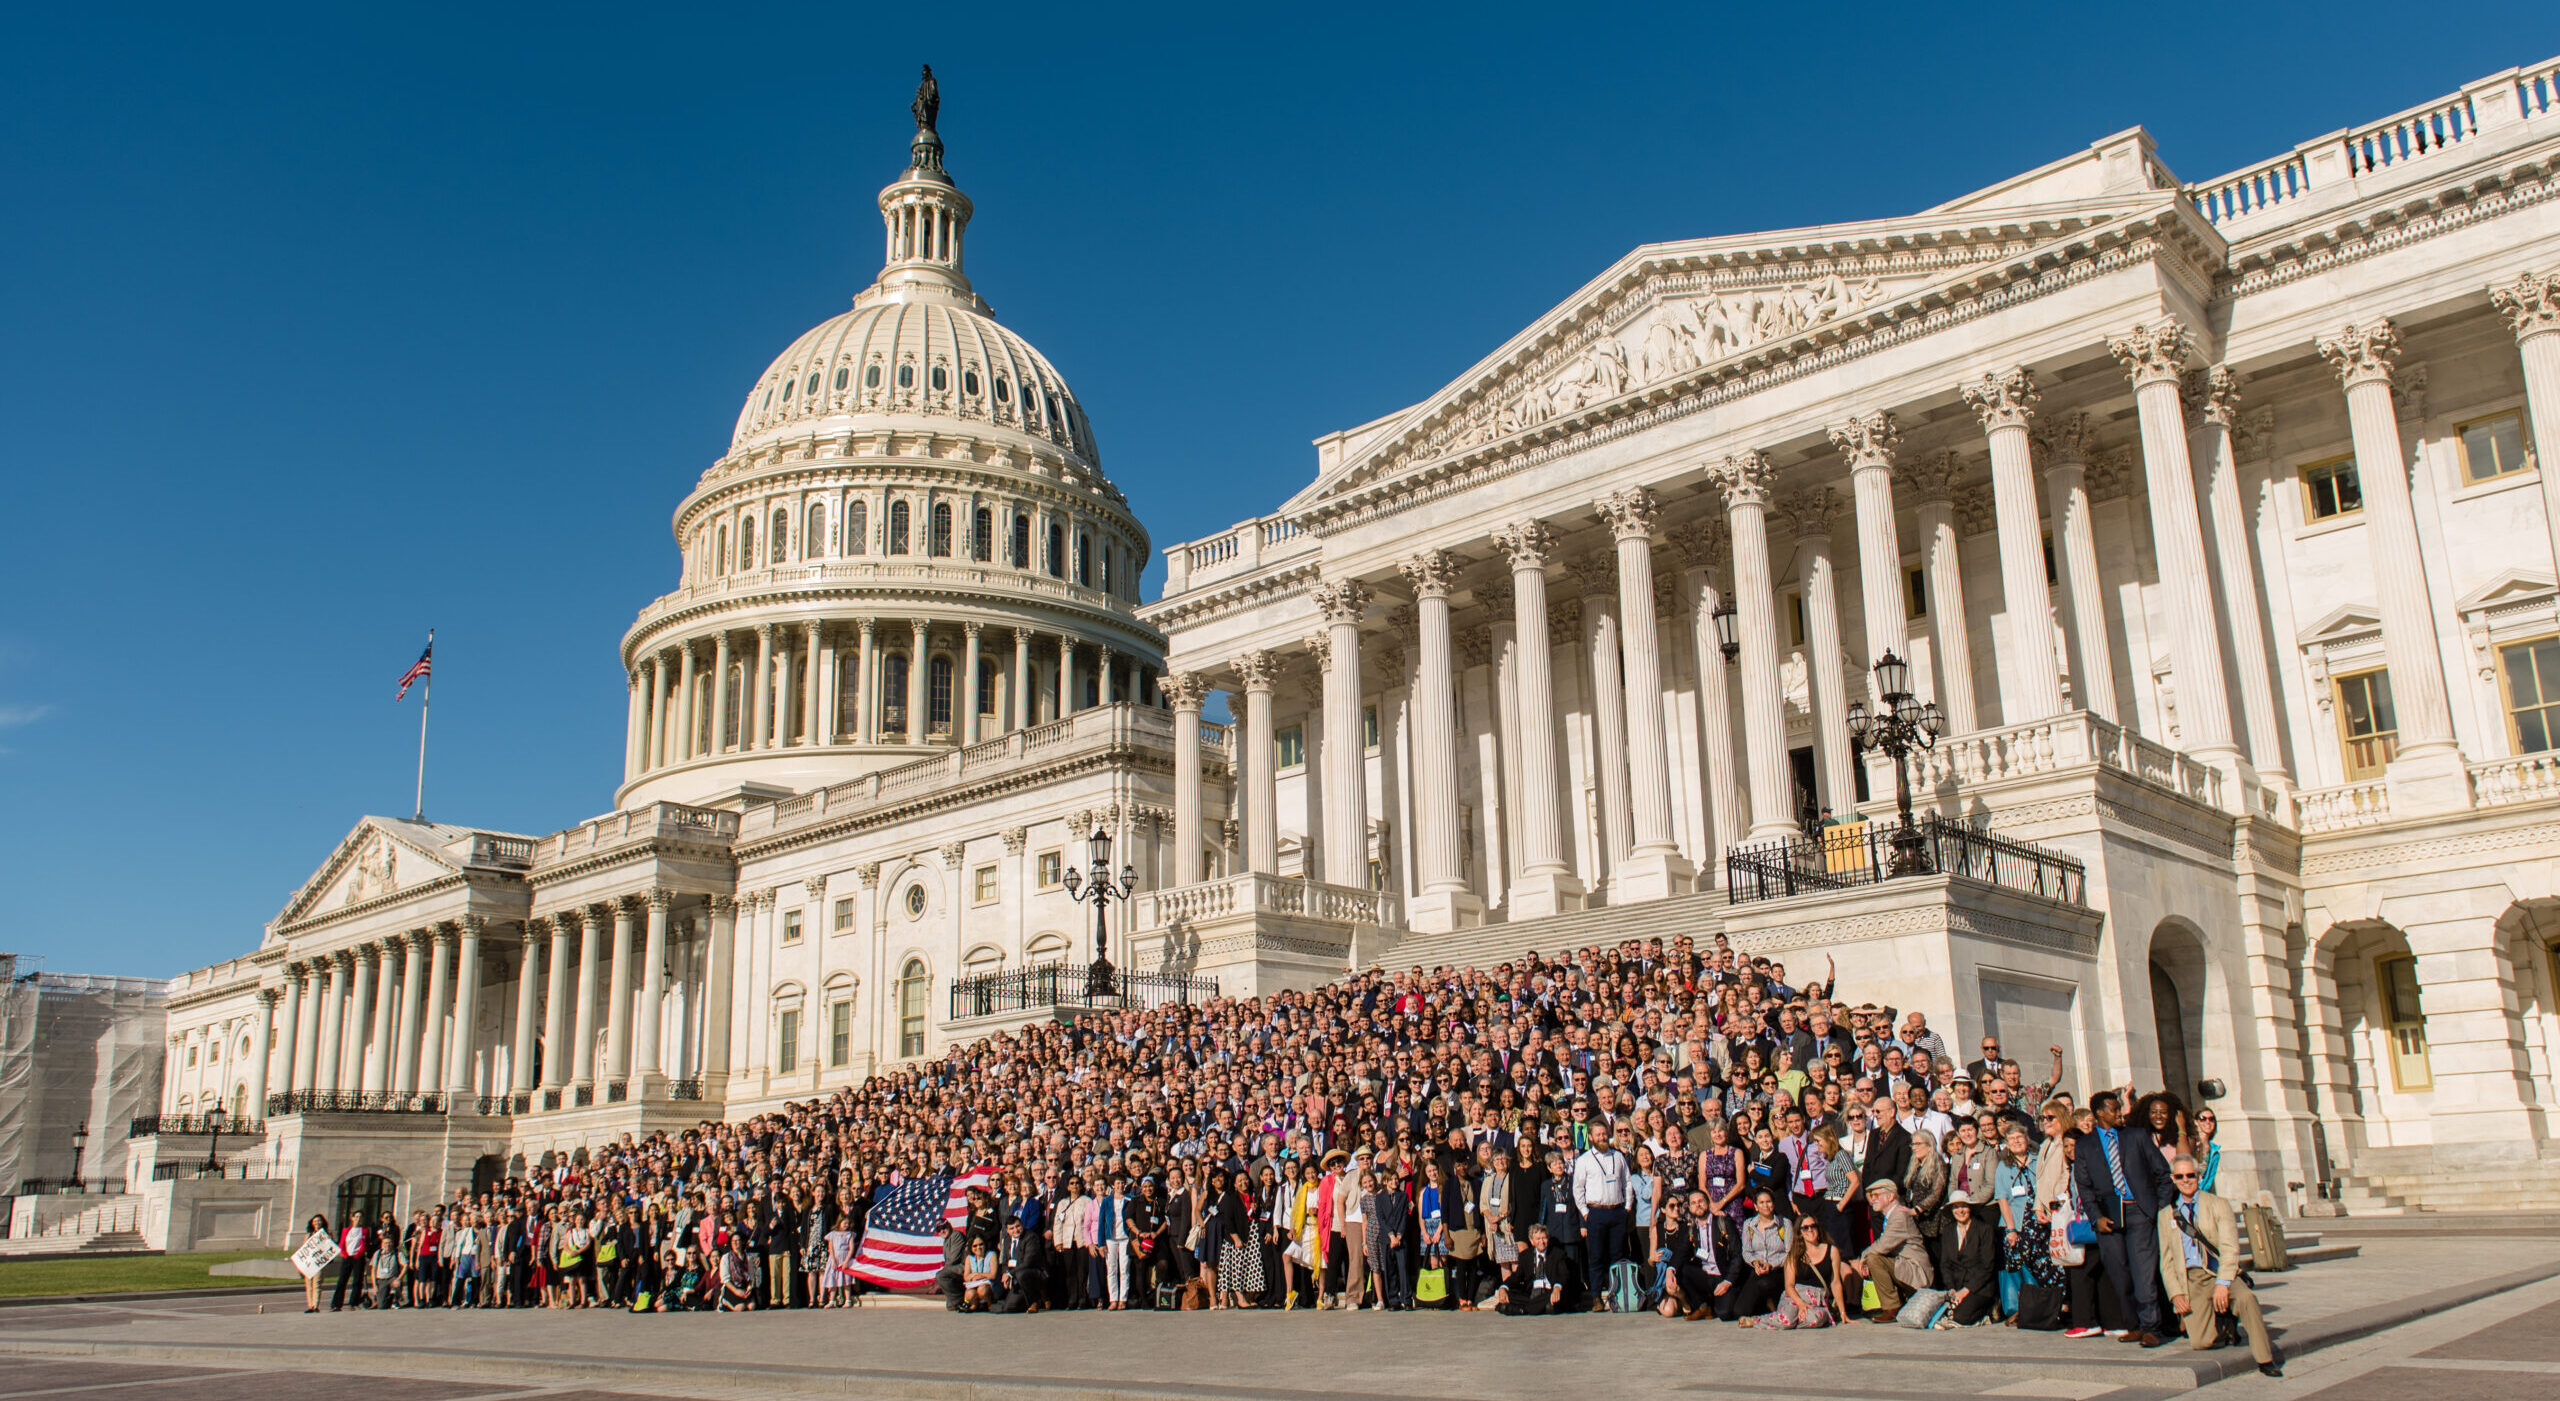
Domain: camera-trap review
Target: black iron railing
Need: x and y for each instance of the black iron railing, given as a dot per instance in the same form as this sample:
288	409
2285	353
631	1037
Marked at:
1070	985
684	1089
495	1106
67	1187
229	1172
1865	853
351	1102
585	1095
616	1091
550	1099
151	1124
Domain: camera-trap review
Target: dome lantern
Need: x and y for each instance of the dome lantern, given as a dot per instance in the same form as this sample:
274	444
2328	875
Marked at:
924	214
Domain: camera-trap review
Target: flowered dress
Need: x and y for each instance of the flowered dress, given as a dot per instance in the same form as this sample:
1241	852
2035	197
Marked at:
839	1259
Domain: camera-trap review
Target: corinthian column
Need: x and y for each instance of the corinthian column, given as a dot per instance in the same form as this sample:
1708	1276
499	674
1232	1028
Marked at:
556	1060
1702	548
2426	773
618	998
759	695
919	658
1951	653
2531	305
635	733
1444	901
1257	764
431	1048
1598	576
312	991
2066	443
652	749
720	693
964	695
1868	443
688	716
1546	885
297	988
1814	511
653	959
1745	478
1187	692
413	998
1018	686
2153	356
717	997
2004	401
2212	397
1655	869
333	1019
359	1069
1346	765
377	1070
528	1007
466	1008
581	1058
814	698
261	1051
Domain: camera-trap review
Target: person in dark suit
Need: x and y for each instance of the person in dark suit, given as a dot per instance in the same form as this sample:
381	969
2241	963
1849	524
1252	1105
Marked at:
1968	1265
2124	1181
1536	1284
1706	1268
1021	1268
1888	1150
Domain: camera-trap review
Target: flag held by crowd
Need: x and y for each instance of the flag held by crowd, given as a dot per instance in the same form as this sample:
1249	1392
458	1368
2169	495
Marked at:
902	1244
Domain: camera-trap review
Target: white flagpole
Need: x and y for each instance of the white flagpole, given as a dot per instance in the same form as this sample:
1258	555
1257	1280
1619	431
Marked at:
426	697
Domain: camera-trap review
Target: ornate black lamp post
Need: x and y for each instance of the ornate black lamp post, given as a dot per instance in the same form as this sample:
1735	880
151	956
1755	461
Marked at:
79	1148
1904	727
1100	892
1725	624
213	1120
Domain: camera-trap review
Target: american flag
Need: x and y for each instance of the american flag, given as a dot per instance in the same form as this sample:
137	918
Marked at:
419	670
902	1244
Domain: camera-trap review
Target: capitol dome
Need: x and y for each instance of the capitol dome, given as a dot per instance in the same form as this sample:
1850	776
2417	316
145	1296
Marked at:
908	546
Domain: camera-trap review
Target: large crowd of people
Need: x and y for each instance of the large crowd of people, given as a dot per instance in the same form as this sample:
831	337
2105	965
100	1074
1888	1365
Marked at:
1677	1129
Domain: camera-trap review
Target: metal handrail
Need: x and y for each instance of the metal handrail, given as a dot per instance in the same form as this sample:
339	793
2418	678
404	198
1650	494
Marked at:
1864	853
1070	985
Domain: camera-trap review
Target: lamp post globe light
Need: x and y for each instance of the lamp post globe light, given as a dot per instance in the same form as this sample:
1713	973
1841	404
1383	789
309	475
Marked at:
213	1120
1099	891
79	1148
1903	727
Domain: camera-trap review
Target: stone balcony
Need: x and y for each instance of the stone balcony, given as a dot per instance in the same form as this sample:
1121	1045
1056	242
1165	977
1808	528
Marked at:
1259	934
2494	783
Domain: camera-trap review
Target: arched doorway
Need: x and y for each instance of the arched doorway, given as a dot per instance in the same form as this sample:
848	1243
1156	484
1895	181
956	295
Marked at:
487	1173
2182	1006
371	1193
2169	1022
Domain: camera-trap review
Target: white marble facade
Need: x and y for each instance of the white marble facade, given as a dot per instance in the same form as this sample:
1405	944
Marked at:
2213	516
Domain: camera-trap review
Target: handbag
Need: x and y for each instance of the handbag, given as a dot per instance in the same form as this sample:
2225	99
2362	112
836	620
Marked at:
2040	1308
1431	1286
1923	1308
1868	1302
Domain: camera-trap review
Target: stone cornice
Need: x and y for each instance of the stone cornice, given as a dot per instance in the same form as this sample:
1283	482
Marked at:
650	846
723	492
950	605
2169	234
469	883
1102	758
2366	233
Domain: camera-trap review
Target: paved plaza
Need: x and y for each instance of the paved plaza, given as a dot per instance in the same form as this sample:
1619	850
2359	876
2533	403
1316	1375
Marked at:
228	1350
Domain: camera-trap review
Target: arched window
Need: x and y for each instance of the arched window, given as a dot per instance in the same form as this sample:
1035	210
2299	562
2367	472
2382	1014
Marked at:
893	693
941	541
1022	542
781	533
914	985
1084	559
897	528
1108	555
747	543
720	555
370	1193
937	692
986	687
857	528
814	542
1057	550
871	376
982	535
843	376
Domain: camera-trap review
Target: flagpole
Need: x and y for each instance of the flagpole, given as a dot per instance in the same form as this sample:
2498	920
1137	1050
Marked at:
426	698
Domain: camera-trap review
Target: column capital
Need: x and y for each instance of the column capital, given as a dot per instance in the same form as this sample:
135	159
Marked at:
1474	644
865	625
537	927
953	854
2211	394
1564	621
2531	304
394	944
765	632
972	628
2361	352
2004	398
1631	512
298	973
345	959
1015	840
1341	600
635	681
602	912
1814	509
269	994
1431	574
724	905
1976	512
1528	544
1700	542
2067	440
867	875
1597	573
1186	690
447	935
1868	440
1320	647
1933	477
1745	478
569	919
660	899
1258	670
2153	352
474	925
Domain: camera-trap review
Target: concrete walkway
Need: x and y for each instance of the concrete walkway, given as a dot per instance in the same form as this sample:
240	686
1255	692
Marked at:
922	1352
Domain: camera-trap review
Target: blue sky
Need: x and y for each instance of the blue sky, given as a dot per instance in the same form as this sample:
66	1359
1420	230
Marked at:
321	327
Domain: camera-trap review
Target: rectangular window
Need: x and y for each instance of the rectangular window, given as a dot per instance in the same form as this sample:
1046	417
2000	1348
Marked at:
2397	977
2533	693
986	879
839	1034
2330	488
191	1056
2493	447
786	1053
986	688
1369	728
791	926
844	914
1915	591
1292	744
2367	732
1052	866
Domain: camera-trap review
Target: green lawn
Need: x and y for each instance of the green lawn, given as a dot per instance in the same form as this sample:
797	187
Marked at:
125	1273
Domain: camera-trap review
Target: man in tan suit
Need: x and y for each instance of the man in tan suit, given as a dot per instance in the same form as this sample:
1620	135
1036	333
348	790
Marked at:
2200	1266
1899	1259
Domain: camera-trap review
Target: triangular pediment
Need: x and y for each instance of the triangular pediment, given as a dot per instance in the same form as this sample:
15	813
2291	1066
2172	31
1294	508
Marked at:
2345	623
380	856
2514	587
1671	318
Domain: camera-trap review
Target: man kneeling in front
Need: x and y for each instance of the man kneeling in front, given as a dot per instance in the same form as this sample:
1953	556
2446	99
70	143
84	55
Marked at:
2200	1267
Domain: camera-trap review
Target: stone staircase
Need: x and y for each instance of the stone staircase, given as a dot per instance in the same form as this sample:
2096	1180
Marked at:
2306	1247
113	1226
1698	916
2387	1182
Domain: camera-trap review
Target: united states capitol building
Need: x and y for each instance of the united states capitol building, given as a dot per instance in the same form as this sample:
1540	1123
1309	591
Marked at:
2214	520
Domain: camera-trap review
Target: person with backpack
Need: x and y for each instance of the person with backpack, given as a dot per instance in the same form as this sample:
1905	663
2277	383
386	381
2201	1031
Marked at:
1601	1181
